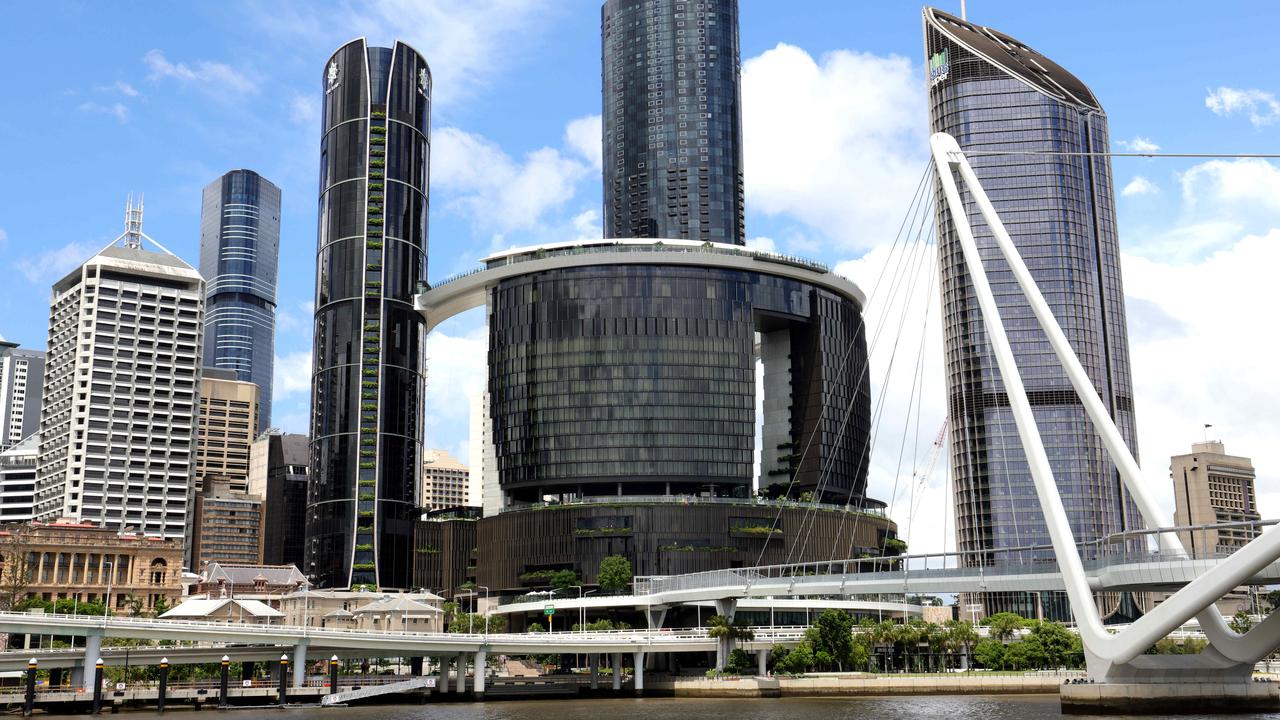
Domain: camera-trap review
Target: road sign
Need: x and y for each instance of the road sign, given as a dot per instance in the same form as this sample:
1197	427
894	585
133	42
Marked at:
549	610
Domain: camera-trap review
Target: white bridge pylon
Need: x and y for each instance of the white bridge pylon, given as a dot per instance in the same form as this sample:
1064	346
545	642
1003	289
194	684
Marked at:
1108	654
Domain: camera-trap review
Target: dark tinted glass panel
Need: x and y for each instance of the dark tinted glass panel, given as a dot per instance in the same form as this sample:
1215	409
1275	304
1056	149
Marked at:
334	461
342	211
337	400
341	267
337	334
405	267
411	93
406	214
343	153
345	97
406	155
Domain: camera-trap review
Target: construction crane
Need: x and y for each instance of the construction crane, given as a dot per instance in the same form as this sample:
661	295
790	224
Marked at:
922	477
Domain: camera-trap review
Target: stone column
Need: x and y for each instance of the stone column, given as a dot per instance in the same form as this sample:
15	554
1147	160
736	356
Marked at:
462	674
762	663
615	660
637	659
82	676
300	664
481	658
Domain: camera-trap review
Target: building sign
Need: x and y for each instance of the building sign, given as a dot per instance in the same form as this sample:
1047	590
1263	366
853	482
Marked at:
549	610
939	66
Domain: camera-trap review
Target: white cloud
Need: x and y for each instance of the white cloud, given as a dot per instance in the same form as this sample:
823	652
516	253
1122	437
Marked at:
456	374
762	243
304	109
839	144
212	77
583	136
1139	185
4	238
291	375
1138	144
126	89
497	191
1206	361
1261	106
116	110
53	264
1249	182
466	42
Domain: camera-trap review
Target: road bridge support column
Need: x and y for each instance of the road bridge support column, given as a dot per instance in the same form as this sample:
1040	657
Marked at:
593	660
444	674
300	664
762	663
462	674
81	677
615	660
481	658
637	659
726	608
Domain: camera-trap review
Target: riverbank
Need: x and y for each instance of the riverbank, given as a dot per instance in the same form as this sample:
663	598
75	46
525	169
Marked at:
860	685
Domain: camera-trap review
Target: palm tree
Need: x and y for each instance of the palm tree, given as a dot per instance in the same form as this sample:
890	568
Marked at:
720	628
961	635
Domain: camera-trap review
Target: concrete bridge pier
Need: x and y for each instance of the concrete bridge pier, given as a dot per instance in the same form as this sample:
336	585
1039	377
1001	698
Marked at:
727	608
637	659
481	659
762	663
462	674
593	660
444	674
615	660
82	676
300	664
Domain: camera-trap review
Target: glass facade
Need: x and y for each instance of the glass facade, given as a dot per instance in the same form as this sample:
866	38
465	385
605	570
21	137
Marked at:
640	380
239	259
672	128
366	428
992	93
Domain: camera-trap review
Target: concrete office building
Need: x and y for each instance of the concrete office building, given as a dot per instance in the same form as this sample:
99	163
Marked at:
1211	487
18	480
239	259
445	482
278	475
993	94
672	120
226	525
366	435
21	385
228	416
118	418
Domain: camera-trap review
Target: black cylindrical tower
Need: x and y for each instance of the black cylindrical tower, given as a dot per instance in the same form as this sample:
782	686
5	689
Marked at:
366	403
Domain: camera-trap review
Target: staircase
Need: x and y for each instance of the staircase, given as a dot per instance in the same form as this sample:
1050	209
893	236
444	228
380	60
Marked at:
346	696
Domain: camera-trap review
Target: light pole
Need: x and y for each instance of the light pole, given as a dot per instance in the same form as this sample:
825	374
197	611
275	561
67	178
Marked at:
486	608
582	611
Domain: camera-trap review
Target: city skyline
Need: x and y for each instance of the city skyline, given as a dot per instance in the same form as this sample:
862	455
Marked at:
1165	320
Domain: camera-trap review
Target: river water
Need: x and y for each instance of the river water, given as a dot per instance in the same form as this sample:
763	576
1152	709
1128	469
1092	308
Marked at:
1029	707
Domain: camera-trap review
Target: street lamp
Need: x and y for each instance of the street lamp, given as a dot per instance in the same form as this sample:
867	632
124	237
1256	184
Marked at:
582	611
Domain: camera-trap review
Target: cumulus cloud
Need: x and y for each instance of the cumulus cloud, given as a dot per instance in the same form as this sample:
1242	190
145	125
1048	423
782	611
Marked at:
456	374
762	243
1206	362
1139	185
1138	144
583	136
51	265
291	375
4	238
304	109
838	143
116	110
1251	182
209	76
125	89
1261	106
498	192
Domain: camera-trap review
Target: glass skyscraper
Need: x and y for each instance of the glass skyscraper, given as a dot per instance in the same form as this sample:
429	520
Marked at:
366	427
993	93
672	129
239	259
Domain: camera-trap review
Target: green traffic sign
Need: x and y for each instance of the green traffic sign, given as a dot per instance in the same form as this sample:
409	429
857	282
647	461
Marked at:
549	610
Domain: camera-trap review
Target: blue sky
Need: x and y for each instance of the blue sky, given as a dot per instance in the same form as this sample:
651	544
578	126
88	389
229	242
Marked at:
161	98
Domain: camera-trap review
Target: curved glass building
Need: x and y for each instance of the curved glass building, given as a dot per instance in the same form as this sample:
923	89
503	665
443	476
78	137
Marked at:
672	128
366	428
993	93
239	259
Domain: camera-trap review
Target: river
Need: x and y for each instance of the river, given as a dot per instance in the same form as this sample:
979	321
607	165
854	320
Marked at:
1029	707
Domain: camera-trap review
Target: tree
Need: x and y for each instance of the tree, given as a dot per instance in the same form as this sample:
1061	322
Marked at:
1241	622
961	636
564	579
615	573
831	636
739	663
161	607
721	629
989	653
15	565
1004	625
1057	645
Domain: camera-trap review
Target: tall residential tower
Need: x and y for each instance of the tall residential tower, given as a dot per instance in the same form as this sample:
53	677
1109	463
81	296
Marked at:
993	93
21	383
239	259
366	431
672	128
118	421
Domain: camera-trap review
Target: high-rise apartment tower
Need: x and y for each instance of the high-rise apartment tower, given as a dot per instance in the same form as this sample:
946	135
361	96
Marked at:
239	259
118	420
993	93
21	383
672	129
366	433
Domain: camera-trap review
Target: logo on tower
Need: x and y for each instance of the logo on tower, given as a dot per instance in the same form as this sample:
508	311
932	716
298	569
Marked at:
939	66
422	81
333	76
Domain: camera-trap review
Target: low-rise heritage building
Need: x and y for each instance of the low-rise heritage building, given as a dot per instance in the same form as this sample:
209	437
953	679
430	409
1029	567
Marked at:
266	583
225	610
417	611
87	563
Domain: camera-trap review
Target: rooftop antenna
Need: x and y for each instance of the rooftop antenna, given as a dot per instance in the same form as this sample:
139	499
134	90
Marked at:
963	14
133	224
133	236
